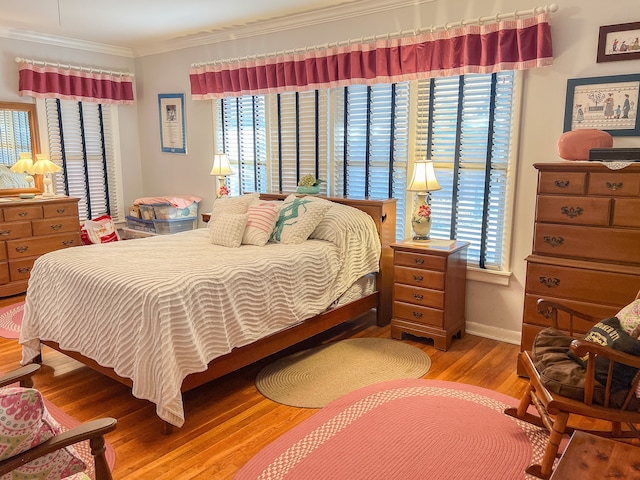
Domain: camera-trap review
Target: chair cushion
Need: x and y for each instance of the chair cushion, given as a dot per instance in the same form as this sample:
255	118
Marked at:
25	423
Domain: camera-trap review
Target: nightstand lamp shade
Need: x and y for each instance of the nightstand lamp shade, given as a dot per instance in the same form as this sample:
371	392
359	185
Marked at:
221	169
24	165
423	181
46	168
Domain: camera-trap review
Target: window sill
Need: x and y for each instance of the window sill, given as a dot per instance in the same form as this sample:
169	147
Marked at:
494	277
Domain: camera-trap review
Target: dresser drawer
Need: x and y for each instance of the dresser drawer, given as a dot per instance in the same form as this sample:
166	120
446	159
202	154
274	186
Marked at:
582	284
22	212
48	226
568	183
616	184
418	296
21	269
4	273
11	230
418	314
596	243
63	209
626	212
40	245
417	260
574	210
419	278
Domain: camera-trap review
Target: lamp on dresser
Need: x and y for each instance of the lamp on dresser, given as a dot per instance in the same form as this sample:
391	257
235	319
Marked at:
46	168
423	181
221	169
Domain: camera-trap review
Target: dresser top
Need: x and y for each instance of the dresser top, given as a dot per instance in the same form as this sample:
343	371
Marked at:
585	166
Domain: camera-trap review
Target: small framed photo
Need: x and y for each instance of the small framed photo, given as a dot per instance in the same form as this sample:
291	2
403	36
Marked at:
604	103
619	42
172	123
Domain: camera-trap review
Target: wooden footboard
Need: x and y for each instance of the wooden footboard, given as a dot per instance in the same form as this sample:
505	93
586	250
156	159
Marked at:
383	213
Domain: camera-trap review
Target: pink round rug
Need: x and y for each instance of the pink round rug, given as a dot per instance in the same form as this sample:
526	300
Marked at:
405	429
11	320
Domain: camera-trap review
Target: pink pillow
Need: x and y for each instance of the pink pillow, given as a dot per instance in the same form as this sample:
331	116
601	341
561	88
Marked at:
25	423
262	219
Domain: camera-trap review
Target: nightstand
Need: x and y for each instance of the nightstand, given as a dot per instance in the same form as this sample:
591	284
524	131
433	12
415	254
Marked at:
429	290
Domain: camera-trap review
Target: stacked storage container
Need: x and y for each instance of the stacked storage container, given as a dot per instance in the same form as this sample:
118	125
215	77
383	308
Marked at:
164	218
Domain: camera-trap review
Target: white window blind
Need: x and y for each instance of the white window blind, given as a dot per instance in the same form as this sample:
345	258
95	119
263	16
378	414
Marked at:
464	125
80	140
15	135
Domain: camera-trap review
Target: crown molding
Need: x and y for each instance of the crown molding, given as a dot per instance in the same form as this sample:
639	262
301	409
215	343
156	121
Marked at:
342	11
59	41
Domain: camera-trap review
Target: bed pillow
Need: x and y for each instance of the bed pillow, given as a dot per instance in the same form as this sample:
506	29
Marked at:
609	333
629	318
232	205
25	423
227	229
298	217
262	219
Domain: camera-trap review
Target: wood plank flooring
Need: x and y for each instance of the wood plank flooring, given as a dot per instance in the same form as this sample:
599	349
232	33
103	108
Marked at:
228	420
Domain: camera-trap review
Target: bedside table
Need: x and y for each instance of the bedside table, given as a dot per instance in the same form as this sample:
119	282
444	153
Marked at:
429	290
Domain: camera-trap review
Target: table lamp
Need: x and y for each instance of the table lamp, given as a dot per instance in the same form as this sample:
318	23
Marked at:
46	168
423	181
221	169
24	165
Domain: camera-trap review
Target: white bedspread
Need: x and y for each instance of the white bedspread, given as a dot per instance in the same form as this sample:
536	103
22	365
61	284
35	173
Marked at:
158	309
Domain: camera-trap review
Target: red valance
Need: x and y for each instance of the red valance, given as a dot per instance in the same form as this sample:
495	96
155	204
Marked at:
69	84
515	44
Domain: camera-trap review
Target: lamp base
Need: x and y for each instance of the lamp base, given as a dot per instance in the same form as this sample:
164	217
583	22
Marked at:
223	191
421	238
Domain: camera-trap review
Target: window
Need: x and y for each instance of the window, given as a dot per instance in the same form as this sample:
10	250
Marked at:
80	140
360	138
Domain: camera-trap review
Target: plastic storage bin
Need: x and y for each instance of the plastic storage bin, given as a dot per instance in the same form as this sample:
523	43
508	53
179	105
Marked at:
147	212
140	224
166	211
165	227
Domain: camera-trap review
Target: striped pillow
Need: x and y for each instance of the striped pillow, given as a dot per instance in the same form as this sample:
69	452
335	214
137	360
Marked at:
262	219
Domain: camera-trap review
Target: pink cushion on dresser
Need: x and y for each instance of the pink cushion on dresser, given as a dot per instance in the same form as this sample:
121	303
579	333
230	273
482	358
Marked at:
575	145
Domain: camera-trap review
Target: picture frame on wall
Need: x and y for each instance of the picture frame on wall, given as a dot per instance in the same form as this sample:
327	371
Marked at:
619	42
172	123
605	103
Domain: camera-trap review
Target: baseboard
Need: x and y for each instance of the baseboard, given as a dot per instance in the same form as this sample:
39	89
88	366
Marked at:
494	333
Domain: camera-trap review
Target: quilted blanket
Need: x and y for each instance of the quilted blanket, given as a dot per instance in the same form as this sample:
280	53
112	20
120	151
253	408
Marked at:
158	309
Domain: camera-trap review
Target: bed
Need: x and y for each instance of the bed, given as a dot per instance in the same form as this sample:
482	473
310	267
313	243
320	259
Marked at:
142	311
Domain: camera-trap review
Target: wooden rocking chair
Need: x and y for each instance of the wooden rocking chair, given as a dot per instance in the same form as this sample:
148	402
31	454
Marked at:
617	408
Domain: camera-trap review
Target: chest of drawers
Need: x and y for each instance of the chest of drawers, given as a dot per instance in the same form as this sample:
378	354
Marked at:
29	229
586	245
429	290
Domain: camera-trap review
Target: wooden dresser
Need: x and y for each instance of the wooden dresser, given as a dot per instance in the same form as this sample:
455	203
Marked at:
586	246
429	290
30	228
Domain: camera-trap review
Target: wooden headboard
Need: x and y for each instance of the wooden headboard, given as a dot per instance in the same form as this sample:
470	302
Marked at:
383	213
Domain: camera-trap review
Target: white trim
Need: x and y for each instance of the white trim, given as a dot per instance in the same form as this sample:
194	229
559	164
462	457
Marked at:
494	333
494	277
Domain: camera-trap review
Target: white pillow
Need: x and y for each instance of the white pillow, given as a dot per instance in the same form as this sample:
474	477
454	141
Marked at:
262	219
232	205
227	229
298	217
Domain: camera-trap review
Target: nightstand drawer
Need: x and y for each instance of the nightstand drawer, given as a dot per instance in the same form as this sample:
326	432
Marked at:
419	278
418	296
418	314
417	260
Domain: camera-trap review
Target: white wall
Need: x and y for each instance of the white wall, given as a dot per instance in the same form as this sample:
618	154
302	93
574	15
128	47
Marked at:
492	310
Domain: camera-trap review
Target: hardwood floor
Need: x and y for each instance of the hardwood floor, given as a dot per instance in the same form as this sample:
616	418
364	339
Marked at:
228	420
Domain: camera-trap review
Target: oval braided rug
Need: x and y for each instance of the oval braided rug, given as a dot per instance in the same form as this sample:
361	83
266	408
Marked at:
314	377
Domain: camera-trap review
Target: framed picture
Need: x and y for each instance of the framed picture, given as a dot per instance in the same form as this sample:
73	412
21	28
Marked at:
172	124
605	103
619	42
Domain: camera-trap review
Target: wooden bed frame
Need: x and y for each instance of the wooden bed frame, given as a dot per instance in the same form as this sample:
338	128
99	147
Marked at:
383	213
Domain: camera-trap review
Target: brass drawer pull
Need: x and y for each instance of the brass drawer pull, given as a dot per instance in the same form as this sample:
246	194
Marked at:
61	210
23	214
553	241
549	282
614	185
418	261
572	212
418	278
5	232
22	249
24	269
56	226
562	183
417	296
417	314
68	243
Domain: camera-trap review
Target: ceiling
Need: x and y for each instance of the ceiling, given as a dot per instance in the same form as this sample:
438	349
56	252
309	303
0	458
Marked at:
132	24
